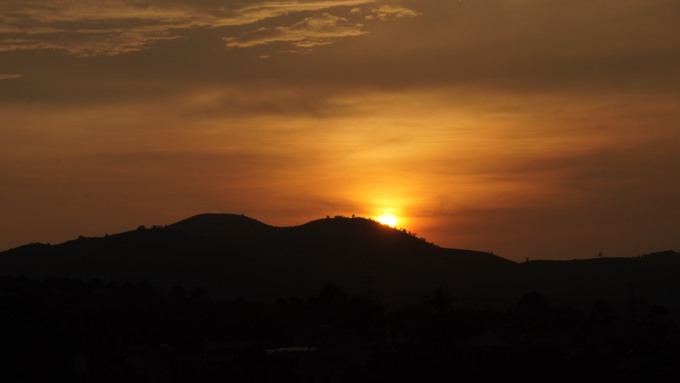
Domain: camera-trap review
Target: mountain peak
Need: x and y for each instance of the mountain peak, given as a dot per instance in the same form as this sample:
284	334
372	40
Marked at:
218	219
235	255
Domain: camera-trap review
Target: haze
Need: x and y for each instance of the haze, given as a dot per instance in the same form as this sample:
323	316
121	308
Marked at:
529	128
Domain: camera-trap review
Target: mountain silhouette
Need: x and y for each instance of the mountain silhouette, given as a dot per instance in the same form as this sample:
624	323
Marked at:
360	255
234	256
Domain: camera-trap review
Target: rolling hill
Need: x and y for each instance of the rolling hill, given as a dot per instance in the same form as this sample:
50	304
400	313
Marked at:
235	256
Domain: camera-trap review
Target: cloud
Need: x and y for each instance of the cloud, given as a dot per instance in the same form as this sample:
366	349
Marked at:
112	27
312	31
389	12
10	76
85	28
527	46
320	29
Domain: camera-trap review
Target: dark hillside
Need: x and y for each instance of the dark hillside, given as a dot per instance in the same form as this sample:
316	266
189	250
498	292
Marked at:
235	256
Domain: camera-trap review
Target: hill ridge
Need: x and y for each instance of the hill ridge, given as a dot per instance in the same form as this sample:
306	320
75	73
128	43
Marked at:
233	256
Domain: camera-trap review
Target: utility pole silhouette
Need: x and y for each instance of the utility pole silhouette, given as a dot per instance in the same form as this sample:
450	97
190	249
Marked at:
631	302
368	286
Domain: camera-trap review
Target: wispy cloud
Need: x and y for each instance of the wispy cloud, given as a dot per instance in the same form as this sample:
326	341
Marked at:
313	31
10	76
113	27
389	12
321	29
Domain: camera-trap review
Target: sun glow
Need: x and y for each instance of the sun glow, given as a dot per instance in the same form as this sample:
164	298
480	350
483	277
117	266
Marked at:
388	220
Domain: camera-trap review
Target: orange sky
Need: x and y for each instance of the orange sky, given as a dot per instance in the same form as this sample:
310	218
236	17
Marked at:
530	128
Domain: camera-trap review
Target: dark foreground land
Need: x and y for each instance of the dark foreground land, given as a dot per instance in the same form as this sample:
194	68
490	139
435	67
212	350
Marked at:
88	331
226	298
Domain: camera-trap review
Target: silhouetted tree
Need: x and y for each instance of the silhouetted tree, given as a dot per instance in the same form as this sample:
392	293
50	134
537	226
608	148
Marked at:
330	304
177	294
603	314
533	309
440	300
198	294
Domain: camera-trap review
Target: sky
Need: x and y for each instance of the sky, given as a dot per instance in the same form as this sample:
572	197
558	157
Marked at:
541	129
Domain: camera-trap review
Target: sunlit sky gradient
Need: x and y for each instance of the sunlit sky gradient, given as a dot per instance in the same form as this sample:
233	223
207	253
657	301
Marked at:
546	129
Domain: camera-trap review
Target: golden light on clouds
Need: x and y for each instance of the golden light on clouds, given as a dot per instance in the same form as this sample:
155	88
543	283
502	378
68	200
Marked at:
114	27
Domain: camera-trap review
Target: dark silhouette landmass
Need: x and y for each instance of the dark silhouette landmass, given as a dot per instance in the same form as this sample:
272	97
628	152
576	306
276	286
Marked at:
235	256
222	297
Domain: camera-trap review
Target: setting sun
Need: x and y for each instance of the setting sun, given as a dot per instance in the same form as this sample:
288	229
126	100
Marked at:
388	220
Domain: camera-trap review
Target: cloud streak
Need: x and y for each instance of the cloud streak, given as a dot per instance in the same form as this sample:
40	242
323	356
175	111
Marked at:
10	76
312	31
389	12
114	27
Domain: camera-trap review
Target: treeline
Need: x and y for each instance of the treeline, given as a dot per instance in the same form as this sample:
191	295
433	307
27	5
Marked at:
72	330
